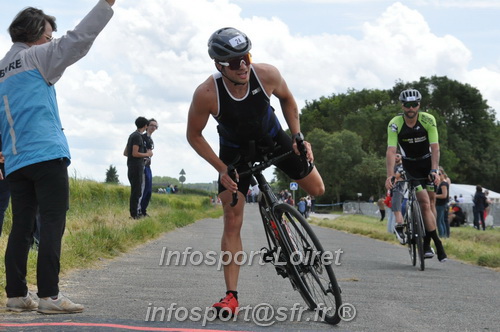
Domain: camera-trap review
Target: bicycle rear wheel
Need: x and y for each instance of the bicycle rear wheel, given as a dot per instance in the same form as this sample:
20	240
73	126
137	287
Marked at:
316	280
419	232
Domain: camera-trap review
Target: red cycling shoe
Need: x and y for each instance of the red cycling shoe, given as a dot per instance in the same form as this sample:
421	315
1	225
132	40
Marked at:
227	306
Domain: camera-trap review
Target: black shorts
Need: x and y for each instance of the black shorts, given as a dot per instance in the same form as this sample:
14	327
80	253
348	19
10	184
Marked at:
292	166
420	169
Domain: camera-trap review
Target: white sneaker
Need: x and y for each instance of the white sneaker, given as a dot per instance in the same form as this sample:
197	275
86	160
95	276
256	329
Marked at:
22	303
400	234
61	305
429	253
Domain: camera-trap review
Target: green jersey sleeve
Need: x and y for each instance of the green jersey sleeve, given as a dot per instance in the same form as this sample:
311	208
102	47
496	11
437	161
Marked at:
393	129
429	123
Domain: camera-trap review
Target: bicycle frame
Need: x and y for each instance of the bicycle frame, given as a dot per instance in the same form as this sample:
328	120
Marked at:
267	202
415	228
290	238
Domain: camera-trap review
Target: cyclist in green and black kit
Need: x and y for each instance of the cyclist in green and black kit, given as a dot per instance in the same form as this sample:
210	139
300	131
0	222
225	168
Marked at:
417	136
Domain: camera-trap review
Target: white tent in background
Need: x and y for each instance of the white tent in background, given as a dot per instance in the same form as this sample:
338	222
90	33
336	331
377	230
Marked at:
467	191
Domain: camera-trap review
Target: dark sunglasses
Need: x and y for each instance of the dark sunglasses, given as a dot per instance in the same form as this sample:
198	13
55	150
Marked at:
413	104
235	63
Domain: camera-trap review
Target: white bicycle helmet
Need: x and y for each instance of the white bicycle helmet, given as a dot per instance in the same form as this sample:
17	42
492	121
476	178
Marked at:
410	95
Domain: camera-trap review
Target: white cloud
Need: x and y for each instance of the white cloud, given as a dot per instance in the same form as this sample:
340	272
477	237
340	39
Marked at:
152	55
464	4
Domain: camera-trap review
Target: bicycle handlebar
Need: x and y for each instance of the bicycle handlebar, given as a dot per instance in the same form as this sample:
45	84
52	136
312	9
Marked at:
408	178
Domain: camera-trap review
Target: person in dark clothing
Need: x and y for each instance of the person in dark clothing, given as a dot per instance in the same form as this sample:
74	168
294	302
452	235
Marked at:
456	216
4	190
136	151
479	207
238	97
147	186
441	206
415	134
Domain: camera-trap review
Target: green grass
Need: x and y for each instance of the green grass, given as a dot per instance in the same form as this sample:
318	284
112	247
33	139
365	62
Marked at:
98	225
465	243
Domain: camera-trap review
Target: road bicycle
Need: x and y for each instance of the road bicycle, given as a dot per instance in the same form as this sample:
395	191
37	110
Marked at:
293	247
413	221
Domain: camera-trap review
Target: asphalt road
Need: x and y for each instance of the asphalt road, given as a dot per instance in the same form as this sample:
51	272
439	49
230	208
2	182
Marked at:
377	281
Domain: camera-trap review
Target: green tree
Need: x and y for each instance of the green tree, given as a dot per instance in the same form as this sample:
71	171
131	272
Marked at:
340	152
469	135
112	175
165	180
369	177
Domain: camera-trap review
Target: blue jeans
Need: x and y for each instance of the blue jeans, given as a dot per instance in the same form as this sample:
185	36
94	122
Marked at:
147	190
442	221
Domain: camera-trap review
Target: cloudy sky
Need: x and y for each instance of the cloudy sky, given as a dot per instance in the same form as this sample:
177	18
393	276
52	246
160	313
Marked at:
152	55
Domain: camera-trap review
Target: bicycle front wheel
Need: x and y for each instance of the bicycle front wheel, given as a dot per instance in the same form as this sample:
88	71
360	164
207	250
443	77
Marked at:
418	228
410	236
317	283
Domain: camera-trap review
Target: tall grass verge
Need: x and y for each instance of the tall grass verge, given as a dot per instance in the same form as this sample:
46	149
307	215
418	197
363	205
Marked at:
465	243
98	225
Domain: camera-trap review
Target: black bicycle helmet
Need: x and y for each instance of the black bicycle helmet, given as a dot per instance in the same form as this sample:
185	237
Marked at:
228	43
410	95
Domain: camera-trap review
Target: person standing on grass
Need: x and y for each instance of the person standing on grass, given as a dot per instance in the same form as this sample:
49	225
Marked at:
381	207
480	203
147	186
4	190
442	197
36	150
136	152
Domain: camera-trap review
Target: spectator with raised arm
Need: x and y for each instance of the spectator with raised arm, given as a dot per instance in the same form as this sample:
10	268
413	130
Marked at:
36	150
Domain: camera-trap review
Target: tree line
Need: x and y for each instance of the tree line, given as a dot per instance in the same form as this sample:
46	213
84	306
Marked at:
348	132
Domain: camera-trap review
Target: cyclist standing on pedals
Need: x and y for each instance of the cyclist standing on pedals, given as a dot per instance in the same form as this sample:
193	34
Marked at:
417	136
238	97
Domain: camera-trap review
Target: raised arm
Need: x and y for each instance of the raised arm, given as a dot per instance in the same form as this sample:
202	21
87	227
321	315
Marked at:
53	58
